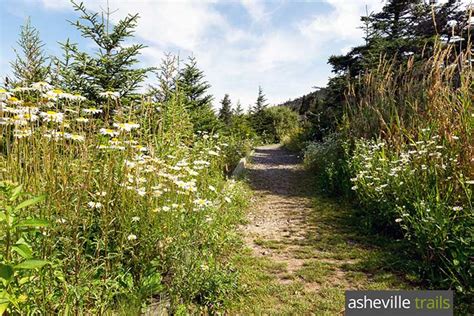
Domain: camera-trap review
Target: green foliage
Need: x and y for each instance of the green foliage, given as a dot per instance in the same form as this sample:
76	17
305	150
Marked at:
30	65
192	85
138	207
421	190
225	112
406	151
403	107
327	160
113	66
166	74
18	267
275	123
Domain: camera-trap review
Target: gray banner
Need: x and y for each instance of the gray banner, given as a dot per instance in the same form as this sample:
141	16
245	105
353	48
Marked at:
399	303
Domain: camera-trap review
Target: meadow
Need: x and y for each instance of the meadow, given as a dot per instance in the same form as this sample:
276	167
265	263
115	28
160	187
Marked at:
104	209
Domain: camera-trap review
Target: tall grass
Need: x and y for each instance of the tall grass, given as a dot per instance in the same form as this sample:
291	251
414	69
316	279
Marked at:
136	205
417	173
406	145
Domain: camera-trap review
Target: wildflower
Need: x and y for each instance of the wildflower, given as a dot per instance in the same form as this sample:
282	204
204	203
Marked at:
95	205
126	126
132	237
202	202
22	89
141	191
92	111
213	153
212	188
77	137
457	208
78	97
227	199
398	220
4	94
201	162
109	94
166	208
107	131
21	133
52	116
41	86
82	120
135	219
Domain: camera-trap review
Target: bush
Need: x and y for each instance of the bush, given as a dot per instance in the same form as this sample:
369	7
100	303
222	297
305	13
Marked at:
275	123
422	191
327	160
410	160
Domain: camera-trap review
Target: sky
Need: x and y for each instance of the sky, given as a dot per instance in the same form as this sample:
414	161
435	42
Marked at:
281	45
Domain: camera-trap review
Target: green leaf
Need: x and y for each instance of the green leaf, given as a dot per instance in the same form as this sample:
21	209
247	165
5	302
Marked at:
31	264
3	305
30	202
16	192
33	222
23	250
6	272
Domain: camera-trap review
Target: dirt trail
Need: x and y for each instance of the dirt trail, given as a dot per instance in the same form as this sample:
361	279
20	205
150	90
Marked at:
278	224
305	250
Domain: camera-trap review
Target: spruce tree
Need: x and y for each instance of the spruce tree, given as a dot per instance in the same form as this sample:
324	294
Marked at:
194	87
238	109
259	117
112	66
30	64
225	113
260	104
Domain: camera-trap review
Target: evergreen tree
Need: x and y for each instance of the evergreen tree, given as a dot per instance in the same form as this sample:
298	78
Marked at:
403	29
112	67
167	74
194	87
260	104
259	117
238	111
225	113
31	64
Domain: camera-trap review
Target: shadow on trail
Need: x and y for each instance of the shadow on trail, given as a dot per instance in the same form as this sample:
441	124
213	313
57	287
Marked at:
278	171
332	229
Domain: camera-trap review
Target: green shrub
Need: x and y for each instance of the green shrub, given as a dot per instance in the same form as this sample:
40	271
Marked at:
328	161
275	123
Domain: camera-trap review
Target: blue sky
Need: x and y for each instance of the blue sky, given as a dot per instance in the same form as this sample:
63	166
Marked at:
282	45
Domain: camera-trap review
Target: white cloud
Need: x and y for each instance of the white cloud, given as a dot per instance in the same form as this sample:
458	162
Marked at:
255	8
342	23
236	58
